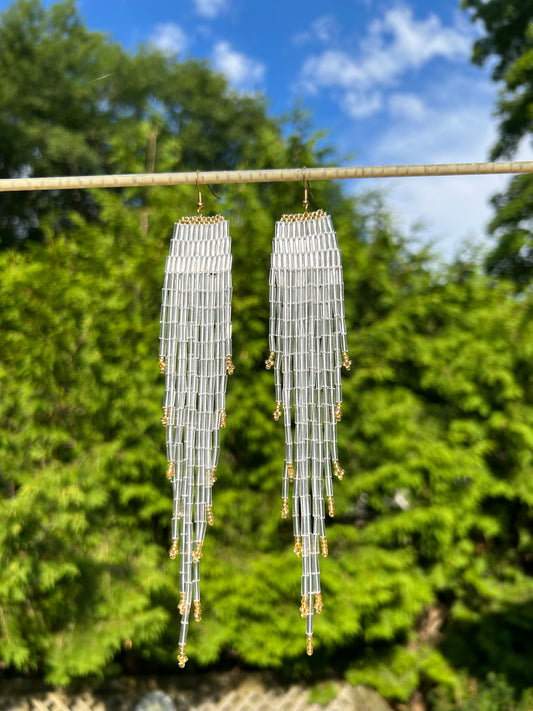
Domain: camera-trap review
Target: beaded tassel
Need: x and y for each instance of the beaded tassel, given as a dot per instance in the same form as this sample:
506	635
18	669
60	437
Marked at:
195	356
307	344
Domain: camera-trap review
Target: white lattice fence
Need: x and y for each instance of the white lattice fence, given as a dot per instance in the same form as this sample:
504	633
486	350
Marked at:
239	692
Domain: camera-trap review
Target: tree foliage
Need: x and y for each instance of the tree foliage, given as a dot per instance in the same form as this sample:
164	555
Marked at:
68	92
433	515
508	43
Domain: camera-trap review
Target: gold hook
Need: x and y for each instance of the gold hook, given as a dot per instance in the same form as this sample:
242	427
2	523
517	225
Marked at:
306	186
200	201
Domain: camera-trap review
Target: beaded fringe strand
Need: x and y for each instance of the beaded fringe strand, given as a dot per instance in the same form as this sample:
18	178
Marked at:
195	356
307	349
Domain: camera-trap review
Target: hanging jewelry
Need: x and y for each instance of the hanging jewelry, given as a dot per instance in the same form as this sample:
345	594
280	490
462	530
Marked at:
195	356
307	343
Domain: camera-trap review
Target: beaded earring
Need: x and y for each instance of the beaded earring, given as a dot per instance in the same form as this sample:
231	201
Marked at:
195	356
307	343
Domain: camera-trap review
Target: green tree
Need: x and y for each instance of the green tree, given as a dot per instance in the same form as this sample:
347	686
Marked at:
508	43
83	564
67	94
434	513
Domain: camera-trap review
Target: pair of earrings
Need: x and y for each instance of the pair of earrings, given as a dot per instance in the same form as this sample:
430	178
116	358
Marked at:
307	343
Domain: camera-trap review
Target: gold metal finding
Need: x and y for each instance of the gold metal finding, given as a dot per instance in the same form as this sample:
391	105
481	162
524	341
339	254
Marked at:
170	470
201	219
213	476
165	420
331	507
222	419
305	202
284	507
339	472
290	471
162	364
277	412
209	515
346	360
230	368
269	363
174	550
197	610
299	216
319	605
309	645
297	548
182	657
304	607
324	546
197	553
338	411
200	201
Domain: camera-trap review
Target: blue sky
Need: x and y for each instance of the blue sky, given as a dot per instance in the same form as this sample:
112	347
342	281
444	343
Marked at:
390	81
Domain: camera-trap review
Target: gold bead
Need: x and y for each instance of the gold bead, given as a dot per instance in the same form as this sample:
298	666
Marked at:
270	362
213	476
319	605
209	514
197	610
165	419
182	605
197	554
324	546
331	506
222	419
297	545
337	469
284	508
230	368
173	552
345	360
170	470
277	412
182	657
338	411
162	364
309	645
304	607
290	471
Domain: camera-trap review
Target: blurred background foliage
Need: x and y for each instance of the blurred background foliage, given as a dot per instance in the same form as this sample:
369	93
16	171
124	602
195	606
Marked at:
429	580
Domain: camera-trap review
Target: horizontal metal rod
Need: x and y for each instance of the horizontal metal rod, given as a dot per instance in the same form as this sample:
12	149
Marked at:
218	177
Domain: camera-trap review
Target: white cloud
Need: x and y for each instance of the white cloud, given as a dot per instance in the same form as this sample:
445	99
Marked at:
457	131
394	44
407	106
399	42
332	69
359	105
243	72
454	210
324	29
169	38
210	8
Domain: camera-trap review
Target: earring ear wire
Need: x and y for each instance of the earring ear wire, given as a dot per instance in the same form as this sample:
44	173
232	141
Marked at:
306	187
200	201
